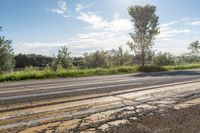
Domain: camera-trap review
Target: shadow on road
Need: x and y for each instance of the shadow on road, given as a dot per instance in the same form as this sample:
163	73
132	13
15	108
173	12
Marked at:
173	73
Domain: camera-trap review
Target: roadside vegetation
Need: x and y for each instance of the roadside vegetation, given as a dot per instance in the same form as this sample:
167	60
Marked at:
102	62
33	73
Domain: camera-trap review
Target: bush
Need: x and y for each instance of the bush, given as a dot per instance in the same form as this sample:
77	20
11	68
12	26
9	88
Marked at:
188	59
97	59
7	61
165	58
62	60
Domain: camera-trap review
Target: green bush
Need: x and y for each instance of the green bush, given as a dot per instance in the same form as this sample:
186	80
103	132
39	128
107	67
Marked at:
165	58
7	61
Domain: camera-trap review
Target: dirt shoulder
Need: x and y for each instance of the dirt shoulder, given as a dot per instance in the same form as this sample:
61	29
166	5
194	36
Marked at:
174	121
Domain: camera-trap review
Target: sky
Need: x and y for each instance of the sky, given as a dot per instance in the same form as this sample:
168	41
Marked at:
43	26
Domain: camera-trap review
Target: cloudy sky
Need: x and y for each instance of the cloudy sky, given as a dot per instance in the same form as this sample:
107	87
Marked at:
43	26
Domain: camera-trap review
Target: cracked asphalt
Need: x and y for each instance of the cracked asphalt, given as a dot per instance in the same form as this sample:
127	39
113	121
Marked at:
115	103
185	120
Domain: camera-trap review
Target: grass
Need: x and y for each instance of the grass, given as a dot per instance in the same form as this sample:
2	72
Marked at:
32	73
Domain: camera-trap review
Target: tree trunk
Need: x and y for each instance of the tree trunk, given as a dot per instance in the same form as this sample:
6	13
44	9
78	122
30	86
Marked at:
142	50
143	57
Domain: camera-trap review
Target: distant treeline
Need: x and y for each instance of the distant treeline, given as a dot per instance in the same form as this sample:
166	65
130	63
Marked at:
34	60
99	58
26	60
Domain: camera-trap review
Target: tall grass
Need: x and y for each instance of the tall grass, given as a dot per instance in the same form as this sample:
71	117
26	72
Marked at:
31	73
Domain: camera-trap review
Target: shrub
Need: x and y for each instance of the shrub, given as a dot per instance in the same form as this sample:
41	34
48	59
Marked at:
165	58
7	61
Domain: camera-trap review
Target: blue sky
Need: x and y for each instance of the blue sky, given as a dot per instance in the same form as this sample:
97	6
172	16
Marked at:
43	26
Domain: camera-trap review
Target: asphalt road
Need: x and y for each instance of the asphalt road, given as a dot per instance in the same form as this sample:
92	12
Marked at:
28	104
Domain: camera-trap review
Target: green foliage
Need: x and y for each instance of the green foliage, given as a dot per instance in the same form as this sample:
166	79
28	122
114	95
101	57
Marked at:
120	57
23	60
182	67
32	73
62	60
107	59
145	23
7	61
187	59
79	62
194	47
97	59
165	58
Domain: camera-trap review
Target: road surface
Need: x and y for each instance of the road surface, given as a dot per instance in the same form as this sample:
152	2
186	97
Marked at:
93	104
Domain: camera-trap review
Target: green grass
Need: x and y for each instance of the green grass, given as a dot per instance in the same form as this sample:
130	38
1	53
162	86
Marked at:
44	74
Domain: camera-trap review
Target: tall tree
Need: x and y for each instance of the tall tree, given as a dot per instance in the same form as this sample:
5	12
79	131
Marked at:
194	47
146	27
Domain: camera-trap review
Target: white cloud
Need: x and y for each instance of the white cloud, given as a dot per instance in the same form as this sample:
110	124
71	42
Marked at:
171	33
95	21
191	21
165	25
37	48
195	23
119	25
61	9
58	11
174	46
85	42
168	31
80	7
103	33
175	36
49	49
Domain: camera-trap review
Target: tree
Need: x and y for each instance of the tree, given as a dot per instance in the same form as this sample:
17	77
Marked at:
145	23
163	59
79	62
7	62
97	59
63	59
26	60
194	47
120	57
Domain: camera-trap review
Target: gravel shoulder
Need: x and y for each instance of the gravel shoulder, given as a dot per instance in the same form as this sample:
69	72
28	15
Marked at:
185	120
